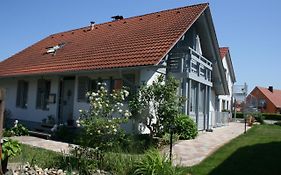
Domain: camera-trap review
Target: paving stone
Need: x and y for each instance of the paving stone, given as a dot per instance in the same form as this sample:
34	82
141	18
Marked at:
192	152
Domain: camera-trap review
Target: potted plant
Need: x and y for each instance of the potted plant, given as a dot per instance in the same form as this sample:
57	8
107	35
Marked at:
10	148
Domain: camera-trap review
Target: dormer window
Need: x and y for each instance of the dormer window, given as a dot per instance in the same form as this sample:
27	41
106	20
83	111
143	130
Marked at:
53	49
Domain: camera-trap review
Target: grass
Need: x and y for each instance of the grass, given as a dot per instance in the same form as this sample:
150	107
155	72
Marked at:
36	156
256	152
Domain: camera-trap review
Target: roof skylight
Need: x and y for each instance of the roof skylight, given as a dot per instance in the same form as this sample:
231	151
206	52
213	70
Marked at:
53	49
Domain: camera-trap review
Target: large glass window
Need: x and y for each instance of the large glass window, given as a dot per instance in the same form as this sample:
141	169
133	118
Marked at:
202	98
193	97
22	91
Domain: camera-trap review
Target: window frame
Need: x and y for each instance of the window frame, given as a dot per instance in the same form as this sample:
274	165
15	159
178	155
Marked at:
42	98
22	94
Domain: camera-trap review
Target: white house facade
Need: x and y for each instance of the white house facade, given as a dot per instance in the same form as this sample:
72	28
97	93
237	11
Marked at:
50	78
226	101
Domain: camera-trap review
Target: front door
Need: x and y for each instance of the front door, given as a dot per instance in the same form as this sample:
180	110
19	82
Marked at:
67	100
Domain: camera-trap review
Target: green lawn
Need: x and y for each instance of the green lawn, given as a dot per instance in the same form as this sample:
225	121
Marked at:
258	152
36	156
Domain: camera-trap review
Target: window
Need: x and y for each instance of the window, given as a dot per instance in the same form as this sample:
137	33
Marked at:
43	92
198	45
129	82
193	97
202	98
22	94
85	84
223	105
227	105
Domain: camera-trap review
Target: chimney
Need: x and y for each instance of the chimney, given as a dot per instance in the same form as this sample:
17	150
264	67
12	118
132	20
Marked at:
117	17
270	88
92	25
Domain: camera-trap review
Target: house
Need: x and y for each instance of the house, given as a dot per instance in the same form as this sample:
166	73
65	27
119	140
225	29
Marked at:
267	100
51	77
226	101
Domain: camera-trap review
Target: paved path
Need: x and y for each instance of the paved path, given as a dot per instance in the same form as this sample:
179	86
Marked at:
186	153
43	143
192	152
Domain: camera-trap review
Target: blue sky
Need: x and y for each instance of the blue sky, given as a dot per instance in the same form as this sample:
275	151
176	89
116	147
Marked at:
251	28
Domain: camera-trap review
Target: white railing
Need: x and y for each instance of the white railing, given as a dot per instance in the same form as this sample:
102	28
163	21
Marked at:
200	65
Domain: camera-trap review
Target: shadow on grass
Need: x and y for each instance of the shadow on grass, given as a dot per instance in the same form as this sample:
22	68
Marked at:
259	159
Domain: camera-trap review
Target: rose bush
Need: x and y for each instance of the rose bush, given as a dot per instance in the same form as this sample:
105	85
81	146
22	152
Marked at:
101	123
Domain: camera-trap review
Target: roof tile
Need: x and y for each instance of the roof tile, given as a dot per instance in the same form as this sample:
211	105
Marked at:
136	41
274	97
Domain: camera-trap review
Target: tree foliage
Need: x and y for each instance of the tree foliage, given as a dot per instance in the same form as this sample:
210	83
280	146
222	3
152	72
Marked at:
156	105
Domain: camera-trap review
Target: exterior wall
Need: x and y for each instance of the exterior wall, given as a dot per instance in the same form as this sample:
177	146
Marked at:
270	107
105	75
30	113
213	108
147	77
226	98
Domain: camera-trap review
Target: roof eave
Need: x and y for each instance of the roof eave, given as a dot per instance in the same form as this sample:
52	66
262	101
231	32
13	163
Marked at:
217	52
78	72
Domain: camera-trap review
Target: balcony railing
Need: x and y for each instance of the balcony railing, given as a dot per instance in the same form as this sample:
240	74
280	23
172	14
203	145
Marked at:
192	63
199	65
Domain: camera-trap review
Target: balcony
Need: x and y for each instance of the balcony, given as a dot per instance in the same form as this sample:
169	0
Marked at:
199	66
186	62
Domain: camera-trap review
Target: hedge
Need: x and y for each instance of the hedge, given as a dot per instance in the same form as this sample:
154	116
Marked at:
272	116
266	116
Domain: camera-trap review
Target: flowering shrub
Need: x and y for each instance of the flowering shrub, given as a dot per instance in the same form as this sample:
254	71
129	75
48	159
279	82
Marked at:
101	123
156	105
17	130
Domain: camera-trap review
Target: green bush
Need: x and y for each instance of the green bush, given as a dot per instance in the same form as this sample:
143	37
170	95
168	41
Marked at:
67	134
16	130
135	143
185	127
120	163
166	138
10	148
153	163
238	115
278	123
272	116
266	116
259	117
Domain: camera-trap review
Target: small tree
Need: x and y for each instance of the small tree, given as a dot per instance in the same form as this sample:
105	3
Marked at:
156	105
101	123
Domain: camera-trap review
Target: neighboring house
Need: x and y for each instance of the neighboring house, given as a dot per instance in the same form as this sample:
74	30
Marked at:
267	100
226	101
51	77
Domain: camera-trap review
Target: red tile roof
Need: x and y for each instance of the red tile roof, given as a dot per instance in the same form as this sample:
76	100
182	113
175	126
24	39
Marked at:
136	41
223	51
274	97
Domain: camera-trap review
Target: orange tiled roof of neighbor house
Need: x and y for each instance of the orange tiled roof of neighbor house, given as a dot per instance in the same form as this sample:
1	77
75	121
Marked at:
129	42
223	51
274	97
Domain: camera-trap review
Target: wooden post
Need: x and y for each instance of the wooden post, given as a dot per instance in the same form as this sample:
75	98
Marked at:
2	108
